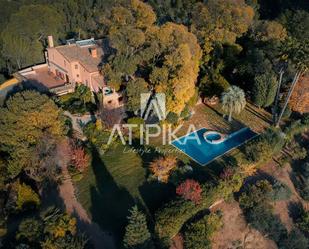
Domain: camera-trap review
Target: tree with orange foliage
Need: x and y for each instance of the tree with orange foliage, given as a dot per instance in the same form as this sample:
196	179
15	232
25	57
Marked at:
299	101
79	158
162	167
190	190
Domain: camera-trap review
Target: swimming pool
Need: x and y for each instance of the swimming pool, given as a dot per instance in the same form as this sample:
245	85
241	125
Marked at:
204	152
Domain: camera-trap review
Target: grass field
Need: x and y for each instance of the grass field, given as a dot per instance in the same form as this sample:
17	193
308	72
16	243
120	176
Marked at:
115	181
119	178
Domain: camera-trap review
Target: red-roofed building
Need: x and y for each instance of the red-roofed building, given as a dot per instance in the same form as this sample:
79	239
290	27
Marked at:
77	62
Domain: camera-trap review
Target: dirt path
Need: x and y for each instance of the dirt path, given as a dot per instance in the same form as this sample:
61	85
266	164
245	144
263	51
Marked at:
100	239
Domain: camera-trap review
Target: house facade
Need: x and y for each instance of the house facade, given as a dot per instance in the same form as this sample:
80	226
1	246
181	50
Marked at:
77	62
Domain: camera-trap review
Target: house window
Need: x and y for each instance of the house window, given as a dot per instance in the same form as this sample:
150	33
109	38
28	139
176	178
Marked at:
77	75
76	66
86	82
64	63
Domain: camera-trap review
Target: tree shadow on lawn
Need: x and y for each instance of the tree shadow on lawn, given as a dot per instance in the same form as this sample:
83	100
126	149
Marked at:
153	193
109	203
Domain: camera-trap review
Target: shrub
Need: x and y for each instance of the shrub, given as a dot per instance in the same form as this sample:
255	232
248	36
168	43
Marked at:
97	136
265	146
172	118
298	152
303	184
258	150
303	222
136	121
30	229
78	102
255	194
181	210
186	113
58	224
197	235
280	191
77	177
305	119
295	128
79	158
261	218
258	212
26	197
276	139
162	167
190	190
295	240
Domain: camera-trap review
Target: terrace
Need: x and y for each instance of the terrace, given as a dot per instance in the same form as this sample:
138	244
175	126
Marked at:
44	80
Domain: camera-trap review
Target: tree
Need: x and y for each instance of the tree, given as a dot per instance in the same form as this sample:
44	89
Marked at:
197	235
255	194
17	51
79	158
299	101
52	229
262	219
162	167
165	57
134	89
24	120
303	222
137	234
173	11
220	22
296	23
83	93
45	157
269	31
25	196
296	240
29	229
128	24
23	44
57	224
177	66
233	101
264	89
190	190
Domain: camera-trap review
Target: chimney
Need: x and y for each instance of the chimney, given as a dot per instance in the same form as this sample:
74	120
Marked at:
50	41
94	52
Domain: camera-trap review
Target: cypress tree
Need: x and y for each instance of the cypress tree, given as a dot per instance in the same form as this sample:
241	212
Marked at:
264	89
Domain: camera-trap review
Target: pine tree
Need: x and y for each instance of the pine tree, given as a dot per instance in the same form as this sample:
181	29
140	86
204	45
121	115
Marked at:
137	234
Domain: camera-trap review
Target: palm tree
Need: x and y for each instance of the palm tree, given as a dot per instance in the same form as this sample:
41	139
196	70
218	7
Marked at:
233	100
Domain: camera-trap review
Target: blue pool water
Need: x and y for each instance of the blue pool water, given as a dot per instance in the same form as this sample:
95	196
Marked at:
205	152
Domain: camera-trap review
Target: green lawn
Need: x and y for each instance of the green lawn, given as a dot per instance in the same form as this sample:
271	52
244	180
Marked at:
115	181
119	178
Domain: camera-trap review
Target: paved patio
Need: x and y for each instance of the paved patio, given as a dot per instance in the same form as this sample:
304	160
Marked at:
41	76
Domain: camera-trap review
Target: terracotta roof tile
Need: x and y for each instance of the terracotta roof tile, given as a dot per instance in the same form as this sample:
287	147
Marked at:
74	52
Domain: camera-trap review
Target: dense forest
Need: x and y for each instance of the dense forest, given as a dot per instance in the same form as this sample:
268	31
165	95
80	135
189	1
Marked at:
247	44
